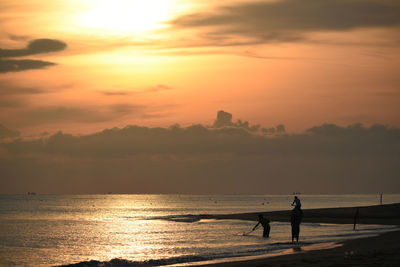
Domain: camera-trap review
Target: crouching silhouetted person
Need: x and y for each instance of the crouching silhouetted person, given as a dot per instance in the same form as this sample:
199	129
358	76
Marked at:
265	224
295	220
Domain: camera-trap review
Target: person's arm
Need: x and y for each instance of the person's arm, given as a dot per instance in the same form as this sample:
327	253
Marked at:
254	228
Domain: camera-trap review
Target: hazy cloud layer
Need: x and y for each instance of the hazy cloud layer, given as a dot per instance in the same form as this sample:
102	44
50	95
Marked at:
15	37
327	139
82	114
13	88
199	159
12	102
151	89
16	90
5	132
291	20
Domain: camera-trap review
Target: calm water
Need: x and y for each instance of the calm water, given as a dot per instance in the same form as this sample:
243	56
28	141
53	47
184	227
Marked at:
61	229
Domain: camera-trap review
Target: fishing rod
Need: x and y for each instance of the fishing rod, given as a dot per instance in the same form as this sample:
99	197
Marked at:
252	230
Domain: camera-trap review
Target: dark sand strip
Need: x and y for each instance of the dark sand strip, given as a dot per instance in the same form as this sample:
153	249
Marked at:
388	214
383	250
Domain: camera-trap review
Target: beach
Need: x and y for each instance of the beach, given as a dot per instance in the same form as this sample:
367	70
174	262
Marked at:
381	250
377	249
388	214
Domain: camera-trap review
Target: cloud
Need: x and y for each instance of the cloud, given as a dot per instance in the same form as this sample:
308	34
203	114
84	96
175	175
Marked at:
116	93
231	138
11	102
15	95
199	159
151	89
5	132
88	114
37	46
18	37
125	108
159	87
224	119
11	90
290	20
22	65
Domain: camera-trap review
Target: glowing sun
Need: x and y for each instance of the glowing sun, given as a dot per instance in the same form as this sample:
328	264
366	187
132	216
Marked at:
124	16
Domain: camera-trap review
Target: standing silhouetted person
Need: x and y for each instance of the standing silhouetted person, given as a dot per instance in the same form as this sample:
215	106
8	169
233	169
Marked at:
295	220
265	224
296	202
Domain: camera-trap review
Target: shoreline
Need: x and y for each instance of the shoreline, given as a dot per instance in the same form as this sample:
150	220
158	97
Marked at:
387	214
249	259
380	250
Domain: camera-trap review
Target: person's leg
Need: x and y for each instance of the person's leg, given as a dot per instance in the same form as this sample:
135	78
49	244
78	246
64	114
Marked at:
297	232
293	233
268	229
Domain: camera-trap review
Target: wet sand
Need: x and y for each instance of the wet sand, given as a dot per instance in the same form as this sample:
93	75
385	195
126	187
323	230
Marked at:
388	214
382	250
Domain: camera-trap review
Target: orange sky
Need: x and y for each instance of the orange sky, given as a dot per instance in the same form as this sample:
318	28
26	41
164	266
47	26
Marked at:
313	68
158	63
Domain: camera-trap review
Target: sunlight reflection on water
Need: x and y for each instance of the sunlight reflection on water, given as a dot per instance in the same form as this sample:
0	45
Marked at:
55	229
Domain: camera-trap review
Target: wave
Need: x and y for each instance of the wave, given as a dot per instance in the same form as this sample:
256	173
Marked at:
189	218
251	251
126	263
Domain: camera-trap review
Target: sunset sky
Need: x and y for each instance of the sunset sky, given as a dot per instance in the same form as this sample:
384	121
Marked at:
82	66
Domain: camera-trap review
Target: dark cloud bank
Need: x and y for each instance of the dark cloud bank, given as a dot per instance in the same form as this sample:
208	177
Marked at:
292	20
37	46
200	159
5	132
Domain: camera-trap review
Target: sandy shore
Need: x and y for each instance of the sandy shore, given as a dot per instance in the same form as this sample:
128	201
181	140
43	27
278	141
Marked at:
382	250
388	214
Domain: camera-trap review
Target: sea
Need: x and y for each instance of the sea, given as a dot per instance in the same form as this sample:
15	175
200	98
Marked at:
146	230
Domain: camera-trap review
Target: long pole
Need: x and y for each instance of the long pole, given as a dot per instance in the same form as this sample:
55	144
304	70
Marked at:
355	219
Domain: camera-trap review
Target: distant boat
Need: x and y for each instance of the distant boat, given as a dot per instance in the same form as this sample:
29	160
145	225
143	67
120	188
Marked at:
32	193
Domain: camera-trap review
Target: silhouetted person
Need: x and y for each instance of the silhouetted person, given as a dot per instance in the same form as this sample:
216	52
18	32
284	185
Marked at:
265	224
296	203
295	220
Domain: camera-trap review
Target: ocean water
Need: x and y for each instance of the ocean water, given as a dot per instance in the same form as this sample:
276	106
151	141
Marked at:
47	230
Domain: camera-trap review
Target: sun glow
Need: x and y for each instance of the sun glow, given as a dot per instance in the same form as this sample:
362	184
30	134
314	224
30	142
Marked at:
127	16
